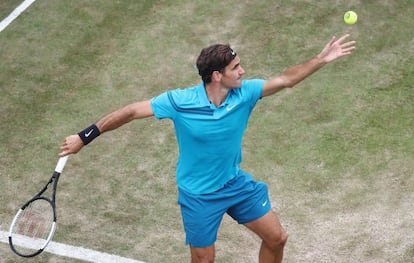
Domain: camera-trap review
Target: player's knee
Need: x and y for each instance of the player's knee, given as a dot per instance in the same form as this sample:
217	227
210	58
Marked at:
278	240
202	255
284	238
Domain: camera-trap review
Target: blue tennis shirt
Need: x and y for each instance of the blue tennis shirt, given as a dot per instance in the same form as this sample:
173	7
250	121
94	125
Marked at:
209	138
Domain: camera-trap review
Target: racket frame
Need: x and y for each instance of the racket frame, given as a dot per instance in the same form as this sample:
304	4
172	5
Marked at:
54	179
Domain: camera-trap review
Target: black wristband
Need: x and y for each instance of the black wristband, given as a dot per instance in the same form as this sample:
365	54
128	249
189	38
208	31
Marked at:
89	134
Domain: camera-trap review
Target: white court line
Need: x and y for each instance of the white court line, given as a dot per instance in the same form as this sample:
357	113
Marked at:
77	252
13	15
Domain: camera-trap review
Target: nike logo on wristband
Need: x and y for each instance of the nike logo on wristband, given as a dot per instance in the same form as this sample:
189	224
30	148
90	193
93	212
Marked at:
89	133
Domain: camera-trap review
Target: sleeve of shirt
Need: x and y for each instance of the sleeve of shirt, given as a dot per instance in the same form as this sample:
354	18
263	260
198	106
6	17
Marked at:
255	89
161	106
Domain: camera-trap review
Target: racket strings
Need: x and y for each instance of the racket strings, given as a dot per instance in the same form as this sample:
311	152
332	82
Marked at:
36	220
33	226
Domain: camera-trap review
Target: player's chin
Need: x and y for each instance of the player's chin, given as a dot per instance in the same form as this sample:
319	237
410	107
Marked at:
237	84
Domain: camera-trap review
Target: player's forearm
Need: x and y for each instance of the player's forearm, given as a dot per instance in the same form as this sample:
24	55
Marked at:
114	120
297	73
292	76
111	121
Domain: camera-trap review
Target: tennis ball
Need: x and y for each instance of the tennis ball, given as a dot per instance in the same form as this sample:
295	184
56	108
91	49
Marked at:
350	17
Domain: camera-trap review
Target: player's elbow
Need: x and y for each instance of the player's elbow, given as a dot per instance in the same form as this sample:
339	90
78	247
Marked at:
142	109
287	82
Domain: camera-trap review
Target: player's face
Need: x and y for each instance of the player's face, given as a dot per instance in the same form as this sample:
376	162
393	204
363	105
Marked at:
232	75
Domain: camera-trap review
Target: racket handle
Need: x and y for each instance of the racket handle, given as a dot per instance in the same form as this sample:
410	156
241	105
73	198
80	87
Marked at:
61	164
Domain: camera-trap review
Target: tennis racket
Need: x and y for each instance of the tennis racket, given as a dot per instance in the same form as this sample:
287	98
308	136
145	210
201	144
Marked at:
34	224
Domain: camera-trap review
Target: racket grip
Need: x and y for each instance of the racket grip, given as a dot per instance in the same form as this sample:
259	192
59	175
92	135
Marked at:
61	163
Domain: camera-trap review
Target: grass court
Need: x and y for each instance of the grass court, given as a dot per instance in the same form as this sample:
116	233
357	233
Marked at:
337	151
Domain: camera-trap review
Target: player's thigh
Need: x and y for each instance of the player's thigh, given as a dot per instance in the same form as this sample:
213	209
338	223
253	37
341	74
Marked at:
201	216
268	228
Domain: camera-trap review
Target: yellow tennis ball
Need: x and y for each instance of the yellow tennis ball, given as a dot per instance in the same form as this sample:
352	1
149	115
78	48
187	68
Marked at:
350	17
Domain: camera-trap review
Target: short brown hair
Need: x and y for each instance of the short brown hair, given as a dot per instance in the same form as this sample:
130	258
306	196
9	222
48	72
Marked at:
214	58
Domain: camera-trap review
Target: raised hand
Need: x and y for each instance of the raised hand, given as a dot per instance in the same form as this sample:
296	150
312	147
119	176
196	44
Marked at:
337	48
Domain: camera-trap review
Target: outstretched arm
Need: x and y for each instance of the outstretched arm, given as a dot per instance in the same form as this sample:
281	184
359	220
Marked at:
335	49
111	121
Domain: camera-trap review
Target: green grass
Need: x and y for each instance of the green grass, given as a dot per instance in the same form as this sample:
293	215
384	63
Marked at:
336	151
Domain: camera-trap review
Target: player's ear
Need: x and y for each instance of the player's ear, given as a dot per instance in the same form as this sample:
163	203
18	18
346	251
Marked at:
216	76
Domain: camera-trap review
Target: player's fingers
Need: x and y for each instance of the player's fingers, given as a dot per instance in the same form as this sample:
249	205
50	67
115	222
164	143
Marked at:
350	49
349	44
68	150
65	148
63	153
341	39
333	39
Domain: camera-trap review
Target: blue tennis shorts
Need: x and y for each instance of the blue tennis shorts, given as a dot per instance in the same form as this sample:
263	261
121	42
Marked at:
242	198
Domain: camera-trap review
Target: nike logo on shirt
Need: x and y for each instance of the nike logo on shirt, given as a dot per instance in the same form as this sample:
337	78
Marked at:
229	108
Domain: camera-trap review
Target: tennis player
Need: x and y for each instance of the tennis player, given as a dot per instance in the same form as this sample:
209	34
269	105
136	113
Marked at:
210	120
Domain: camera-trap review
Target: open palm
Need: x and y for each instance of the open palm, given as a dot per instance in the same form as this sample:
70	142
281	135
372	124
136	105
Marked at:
337	48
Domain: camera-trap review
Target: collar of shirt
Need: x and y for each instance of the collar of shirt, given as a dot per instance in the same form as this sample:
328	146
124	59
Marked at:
204	101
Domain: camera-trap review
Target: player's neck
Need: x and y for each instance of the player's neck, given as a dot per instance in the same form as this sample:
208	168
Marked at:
216	94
